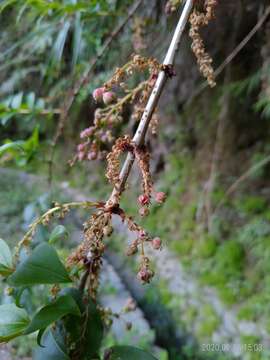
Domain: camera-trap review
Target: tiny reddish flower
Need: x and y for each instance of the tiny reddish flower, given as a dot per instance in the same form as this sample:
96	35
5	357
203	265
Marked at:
98	94
80	147
142	234
144	211
92	155
87	132
109	97
143	199
145	275
156	243
160	197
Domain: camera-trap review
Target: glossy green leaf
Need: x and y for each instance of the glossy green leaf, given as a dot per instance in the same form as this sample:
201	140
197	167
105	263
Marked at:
43	266
6	266
56	310
16	145
13	321
90	343
53	348
58	233
127	353
94	330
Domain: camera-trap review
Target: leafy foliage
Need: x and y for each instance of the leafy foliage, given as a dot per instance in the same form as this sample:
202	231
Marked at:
13	321
41	267
6	266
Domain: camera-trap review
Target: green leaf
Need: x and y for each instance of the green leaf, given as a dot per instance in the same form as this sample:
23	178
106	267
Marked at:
13	321
53	348
94	330
60	41
56	310
6	266
58	233
90	343
127	353
43	266
17	145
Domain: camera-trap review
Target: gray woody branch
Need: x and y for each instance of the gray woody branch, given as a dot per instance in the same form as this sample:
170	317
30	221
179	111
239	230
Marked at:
139	136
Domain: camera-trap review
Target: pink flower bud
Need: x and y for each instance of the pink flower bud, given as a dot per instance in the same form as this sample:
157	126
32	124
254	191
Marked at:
81	155
160	197
144	211
87	132
156	243
80	147
98	94
142	234
143	199
145	275
92	155
109	97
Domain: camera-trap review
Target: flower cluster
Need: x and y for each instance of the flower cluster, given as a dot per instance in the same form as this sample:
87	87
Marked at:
138	34
197	20
111	100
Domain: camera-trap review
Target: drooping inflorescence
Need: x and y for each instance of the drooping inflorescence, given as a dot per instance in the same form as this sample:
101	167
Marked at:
197	20
112	98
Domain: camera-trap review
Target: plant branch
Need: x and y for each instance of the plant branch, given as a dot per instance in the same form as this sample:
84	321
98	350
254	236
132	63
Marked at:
84	79
139	136
47	216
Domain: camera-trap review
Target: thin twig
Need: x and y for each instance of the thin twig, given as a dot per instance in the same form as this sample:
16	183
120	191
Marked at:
139	136
84	79
232	55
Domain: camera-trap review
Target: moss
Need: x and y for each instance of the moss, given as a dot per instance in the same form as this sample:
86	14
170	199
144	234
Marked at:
183	246
251	205
206	247
190	315
246	313
209	322
230	258
227	295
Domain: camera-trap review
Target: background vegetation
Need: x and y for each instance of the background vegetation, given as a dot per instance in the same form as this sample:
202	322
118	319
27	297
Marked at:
211	157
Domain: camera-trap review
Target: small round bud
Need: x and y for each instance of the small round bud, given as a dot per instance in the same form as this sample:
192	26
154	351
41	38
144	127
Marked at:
87	132
132	249
109	97
143	199
80	147
145	275
160	197
98	94
108	230
92	155
142	235
156	243
144	211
